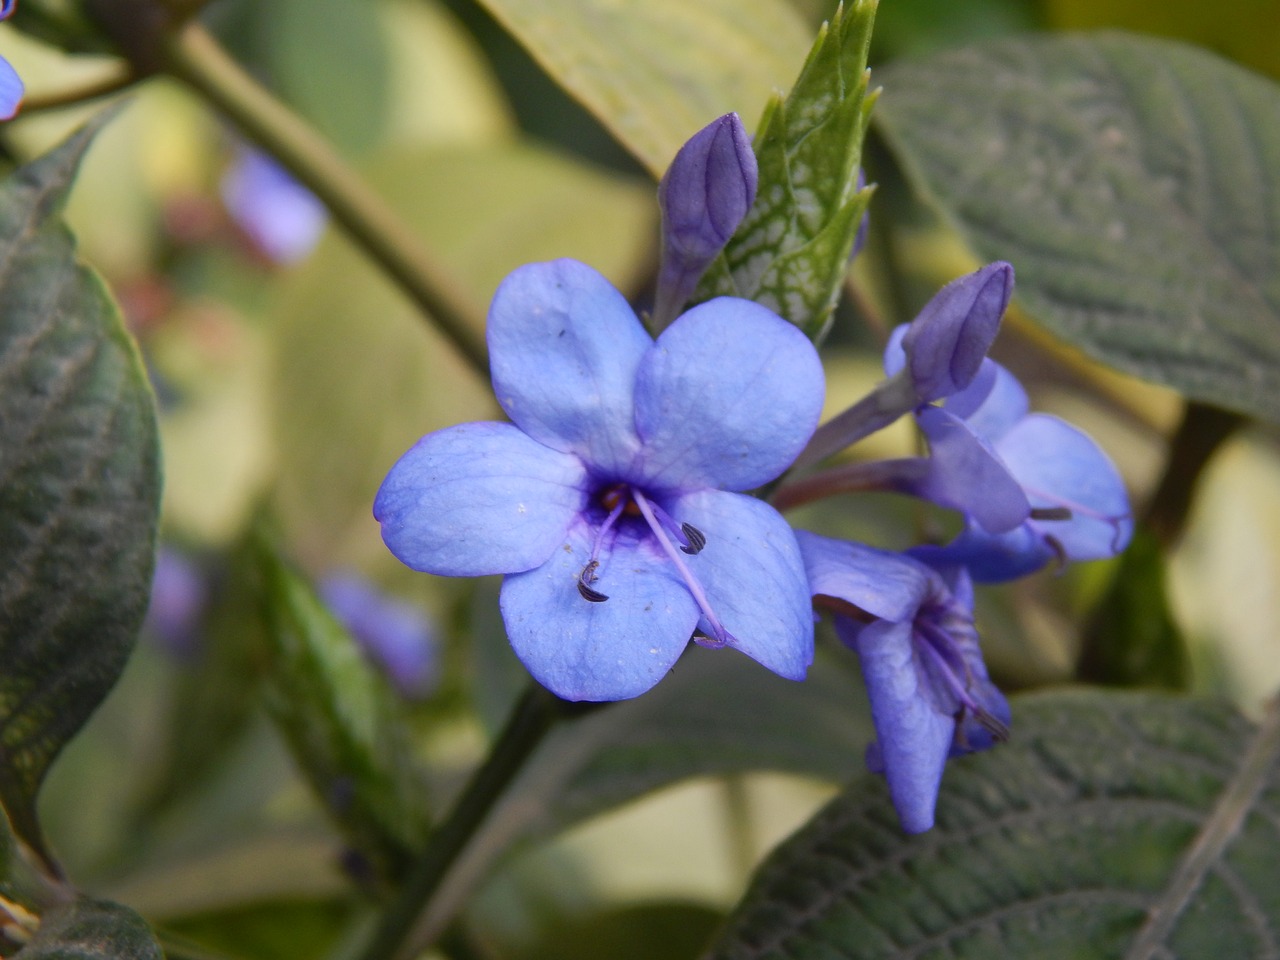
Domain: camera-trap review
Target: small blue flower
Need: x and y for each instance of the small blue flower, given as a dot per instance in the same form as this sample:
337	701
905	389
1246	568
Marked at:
281	216
703	196
396	635
993	460
11	88
912	628
611	501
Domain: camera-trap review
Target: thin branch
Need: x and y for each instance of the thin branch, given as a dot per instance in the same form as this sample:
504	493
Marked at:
122	78
194	56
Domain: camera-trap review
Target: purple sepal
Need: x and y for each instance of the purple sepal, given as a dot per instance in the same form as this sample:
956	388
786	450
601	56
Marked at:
703	196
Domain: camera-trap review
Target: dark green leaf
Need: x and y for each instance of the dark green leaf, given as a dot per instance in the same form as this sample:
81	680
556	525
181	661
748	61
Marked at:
664	930
1133	639
1112	825
79	484
792	251
343	723
92	930
1133	183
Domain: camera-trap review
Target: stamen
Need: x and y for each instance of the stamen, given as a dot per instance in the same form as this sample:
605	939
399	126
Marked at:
587	577
1051	513
690	538
702	640
697	539
941	649
588	574
718	632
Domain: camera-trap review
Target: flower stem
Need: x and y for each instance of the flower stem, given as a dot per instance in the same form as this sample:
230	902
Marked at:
194	56
533	716
114	82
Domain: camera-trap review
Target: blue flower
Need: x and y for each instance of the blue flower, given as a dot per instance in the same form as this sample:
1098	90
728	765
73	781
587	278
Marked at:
180	593
703	196
993	460
281	216
612	500
912	628
396	635
11	88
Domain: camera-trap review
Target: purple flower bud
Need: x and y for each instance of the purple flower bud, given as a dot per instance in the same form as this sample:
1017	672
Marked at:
396	635
281	216
947	342
704	195
179	595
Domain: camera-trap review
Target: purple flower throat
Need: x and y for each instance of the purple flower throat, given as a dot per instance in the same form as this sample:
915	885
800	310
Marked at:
625	503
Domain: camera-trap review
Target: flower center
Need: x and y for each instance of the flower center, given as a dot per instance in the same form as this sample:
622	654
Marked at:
623	499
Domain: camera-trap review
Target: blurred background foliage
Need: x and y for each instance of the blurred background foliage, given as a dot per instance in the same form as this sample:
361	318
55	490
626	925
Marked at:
291	389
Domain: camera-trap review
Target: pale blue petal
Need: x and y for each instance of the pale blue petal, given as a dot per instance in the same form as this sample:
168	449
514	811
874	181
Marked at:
886	585
564	347
479	498
11	90
1058	466
727	397
612	650
914	739
992	404
966	475
753	576
990	558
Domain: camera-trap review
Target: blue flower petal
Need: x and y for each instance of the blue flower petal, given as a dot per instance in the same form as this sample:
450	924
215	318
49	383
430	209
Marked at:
966	475
11	90
727	397
754	577
1059	465
991	404
612	650
886	585
479	498
991	558
914	739
564	347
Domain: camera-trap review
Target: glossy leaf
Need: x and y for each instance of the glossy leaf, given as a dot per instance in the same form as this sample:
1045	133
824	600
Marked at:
792	251
1133	183
92	930
343	724
1112	825
655	73
79	484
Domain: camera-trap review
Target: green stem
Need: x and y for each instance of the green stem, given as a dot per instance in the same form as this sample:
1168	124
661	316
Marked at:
194	56
118	80
532	718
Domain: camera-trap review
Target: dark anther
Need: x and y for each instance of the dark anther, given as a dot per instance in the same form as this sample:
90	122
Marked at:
1050	513
702	640
1059	551
697	539
990	724
585	579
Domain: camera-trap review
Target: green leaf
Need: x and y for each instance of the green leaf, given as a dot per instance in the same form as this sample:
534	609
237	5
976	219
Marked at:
1136	825
663	930
342	721
79	485
1133	183
655	73
1132	638
792	251
92	930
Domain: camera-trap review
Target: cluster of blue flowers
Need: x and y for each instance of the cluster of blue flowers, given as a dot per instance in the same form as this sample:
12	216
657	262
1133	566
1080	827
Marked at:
616	501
